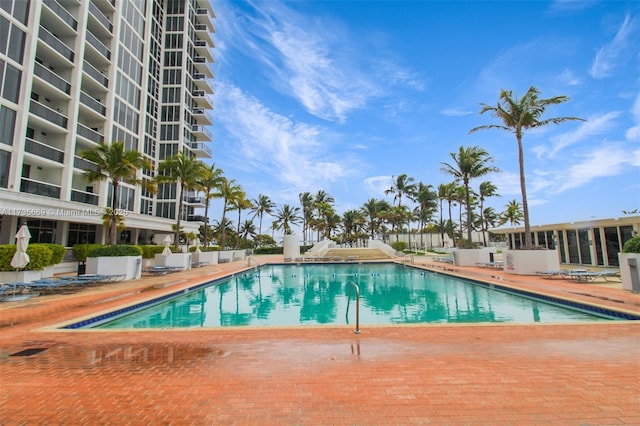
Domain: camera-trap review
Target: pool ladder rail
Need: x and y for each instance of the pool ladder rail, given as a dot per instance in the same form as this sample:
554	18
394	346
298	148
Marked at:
357	289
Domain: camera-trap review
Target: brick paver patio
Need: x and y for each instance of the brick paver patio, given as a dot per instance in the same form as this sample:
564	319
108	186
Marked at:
577	374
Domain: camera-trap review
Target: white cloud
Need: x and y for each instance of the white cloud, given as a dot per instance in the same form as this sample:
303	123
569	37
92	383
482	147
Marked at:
633	133
268	143
620	48
596	125
568	77
455	112
376	185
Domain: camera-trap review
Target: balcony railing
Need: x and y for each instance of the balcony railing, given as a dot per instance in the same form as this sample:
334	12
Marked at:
52	78
82	164
84	197
195	218
62	13
38	148
100	47
201	147
92	103
90	134
48	114
55	43
97	13
95	74
201	129
194	200
31	186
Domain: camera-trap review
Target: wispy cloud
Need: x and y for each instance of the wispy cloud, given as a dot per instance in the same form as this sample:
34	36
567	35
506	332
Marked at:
267	143
455	112
619	49
633	132
569	78
376	185
595	125
571	5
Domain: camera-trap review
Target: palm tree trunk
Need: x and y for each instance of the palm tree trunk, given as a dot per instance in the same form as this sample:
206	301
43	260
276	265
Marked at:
206	222
113	231
523	188
468	204
176	237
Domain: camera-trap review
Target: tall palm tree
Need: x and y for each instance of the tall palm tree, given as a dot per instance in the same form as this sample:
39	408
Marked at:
306	201
229	190
186	172
513	214
372	210
116	165
450	193
208	182
323	206
285	217
402	186
518	115
239	203
427	204
487	189
260	206
469	163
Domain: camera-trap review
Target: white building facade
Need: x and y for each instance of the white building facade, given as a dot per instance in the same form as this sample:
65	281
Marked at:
77	73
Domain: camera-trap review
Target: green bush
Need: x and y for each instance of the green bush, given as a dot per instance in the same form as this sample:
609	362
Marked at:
39	256
150	251
57	252
399	246
80	251
115	251
209	248
632	246
269	250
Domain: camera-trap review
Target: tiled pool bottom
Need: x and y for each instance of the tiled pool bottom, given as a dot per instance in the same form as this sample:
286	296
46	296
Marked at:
317	294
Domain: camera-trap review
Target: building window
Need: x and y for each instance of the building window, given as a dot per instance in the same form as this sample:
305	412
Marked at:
42	231
81	233
11	84
5	160
8	120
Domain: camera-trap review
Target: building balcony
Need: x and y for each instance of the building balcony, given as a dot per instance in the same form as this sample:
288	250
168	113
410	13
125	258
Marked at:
93	41
96	75
55	45
93	104
194	201
202	116
203	17
48	114
203	83
204	33
200	149
84	197
52	78
40	149
45	189
100	17
84	165
202	133
89	134
195	218
203	50
60	12
202	99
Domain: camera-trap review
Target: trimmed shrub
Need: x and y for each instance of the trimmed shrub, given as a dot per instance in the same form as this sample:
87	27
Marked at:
632	246
80	251
57	252
115	251
399	246
269	250
150	251
210	248
39	257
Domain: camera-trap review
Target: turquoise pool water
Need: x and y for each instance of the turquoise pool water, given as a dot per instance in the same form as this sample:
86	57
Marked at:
310	294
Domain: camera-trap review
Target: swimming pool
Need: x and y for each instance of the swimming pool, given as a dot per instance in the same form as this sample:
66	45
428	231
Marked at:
312	294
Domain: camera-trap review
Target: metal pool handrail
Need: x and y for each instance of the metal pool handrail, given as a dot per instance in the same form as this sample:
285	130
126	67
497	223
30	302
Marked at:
354	285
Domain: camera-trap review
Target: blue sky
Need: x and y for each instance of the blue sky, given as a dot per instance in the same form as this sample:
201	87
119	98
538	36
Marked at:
344	95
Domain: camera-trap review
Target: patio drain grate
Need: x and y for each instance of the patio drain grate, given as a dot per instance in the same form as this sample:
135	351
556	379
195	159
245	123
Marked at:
29	352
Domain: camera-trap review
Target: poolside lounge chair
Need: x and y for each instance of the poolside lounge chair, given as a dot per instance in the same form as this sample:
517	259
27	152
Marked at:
162	270
557	273
586	276
53	284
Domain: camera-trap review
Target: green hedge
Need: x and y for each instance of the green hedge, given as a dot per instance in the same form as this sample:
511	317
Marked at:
399	246
57	252
80	251
209	248
269	250
632	246
115	251
39	255
149	251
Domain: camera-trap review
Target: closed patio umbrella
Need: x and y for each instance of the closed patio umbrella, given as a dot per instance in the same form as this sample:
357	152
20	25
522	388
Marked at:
167	243
20	259
198	246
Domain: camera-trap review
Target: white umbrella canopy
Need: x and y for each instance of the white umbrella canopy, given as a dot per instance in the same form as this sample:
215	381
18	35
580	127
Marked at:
20	259
167	243
198	245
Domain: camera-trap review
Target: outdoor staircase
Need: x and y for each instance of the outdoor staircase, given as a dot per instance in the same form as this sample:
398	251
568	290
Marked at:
358	253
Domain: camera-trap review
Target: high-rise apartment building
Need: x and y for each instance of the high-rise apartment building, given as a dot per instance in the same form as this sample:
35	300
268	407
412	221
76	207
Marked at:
77	73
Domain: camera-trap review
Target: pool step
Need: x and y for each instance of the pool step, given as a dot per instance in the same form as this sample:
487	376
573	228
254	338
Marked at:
357	253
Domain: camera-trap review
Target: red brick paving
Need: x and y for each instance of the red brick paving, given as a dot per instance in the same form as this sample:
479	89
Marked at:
577	374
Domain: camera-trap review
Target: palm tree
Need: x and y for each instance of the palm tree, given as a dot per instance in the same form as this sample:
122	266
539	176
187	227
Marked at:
116	165
513	214
372	210
285	217
208	182
469	163
187	172
240	202
402	186
228	190
260	206
427	204
487	189
306	201
450	194
518	115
